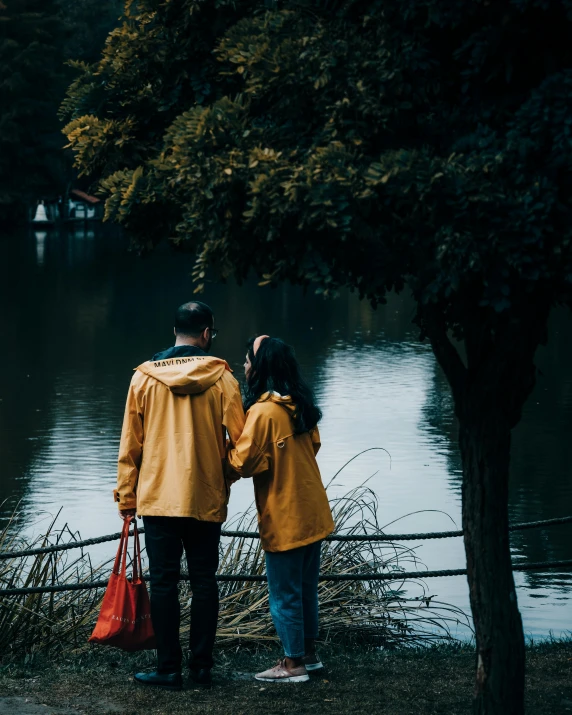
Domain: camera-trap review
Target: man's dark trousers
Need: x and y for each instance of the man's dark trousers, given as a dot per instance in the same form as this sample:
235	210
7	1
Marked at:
165	538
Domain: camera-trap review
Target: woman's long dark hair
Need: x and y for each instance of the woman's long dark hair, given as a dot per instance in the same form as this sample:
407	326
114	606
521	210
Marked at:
274	367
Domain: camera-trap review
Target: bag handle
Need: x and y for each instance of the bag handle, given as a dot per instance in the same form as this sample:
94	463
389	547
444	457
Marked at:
120	565
137	567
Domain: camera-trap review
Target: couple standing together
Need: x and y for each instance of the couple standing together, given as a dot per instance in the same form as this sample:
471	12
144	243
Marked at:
185	439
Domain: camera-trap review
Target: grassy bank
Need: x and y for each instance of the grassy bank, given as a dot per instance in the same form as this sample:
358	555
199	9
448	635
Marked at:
417	682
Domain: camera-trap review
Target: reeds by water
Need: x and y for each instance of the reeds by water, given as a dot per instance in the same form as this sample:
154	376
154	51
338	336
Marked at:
389	613
41	622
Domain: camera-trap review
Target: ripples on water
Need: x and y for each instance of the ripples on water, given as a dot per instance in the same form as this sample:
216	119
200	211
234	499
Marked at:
80	313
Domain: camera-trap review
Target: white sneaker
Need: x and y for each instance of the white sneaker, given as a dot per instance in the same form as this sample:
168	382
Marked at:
281	674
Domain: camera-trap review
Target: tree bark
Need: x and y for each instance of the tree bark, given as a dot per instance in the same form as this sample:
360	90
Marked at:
489	390
485	450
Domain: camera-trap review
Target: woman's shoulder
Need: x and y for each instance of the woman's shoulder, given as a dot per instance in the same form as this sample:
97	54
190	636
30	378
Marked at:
268	417
271	401
265	407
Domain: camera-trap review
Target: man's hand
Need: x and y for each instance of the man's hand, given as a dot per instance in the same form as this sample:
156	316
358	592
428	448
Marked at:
124	513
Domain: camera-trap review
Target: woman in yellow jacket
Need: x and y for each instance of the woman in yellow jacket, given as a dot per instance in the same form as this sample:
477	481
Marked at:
278	449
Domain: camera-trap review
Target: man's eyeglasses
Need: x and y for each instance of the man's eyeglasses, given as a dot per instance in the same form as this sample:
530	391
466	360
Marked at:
214	332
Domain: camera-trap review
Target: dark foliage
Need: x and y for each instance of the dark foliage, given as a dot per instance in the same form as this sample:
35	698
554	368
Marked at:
359	143
36	39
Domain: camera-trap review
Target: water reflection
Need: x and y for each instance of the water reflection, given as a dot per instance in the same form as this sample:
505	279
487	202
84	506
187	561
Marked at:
40	246
83	312
540	484
541	464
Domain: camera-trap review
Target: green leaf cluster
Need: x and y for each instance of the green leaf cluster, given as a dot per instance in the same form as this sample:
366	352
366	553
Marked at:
358	143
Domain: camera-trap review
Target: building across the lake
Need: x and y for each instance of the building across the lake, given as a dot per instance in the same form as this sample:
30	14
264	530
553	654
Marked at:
76	206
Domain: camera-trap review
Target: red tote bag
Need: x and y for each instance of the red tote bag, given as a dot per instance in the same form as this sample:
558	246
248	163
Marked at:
125	616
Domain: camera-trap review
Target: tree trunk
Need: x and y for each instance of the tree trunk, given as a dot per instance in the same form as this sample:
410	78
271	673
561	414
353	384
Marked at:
485	449
489	390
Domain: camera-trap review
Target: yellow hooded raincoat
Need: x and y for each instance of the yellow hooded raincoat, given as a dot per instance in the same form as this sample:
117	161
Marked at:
173	442
292	504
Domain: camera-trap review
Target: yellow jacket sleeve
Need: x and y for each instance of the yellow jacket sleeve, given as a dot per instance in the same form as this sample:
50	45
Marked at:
247	458
233	415
130	452
316	441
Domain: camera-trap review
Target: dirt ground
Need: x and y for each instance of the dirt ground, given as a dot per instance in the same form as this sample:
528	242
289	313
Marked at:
393	683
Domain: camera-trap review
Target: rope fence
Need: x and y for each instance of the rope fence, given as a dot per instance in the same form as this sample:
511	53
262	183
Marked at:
255	535
394	575
390	576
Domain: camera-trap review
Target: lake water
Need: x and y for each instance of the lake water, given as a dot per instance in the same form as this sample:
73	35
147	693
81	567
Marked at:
79	312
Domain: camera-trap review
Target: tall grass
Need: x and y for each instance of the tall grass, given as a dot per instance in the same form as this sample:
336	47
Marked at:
37	622
390	613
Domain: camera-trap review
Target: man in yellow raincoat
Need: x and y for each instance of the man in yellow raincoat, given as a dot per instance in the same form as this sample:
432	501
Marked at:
181	406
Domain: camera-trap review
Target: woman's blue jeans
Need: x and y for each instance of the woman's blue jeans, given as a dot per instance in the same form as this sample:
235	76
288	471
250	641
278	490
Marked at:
293	594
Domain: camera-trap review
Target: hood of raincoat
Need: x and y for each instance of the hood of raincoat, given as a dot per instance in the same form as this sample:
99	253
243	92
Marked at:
186	375
272	396
282	400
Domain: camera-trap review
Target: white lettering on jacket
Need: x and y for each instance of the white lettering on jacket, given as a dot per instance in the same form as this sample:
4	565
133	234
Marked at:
176	361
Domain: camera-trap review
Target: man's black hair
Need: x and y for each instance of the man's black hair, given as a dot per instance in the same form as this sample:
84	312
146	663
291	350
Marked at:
192	318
